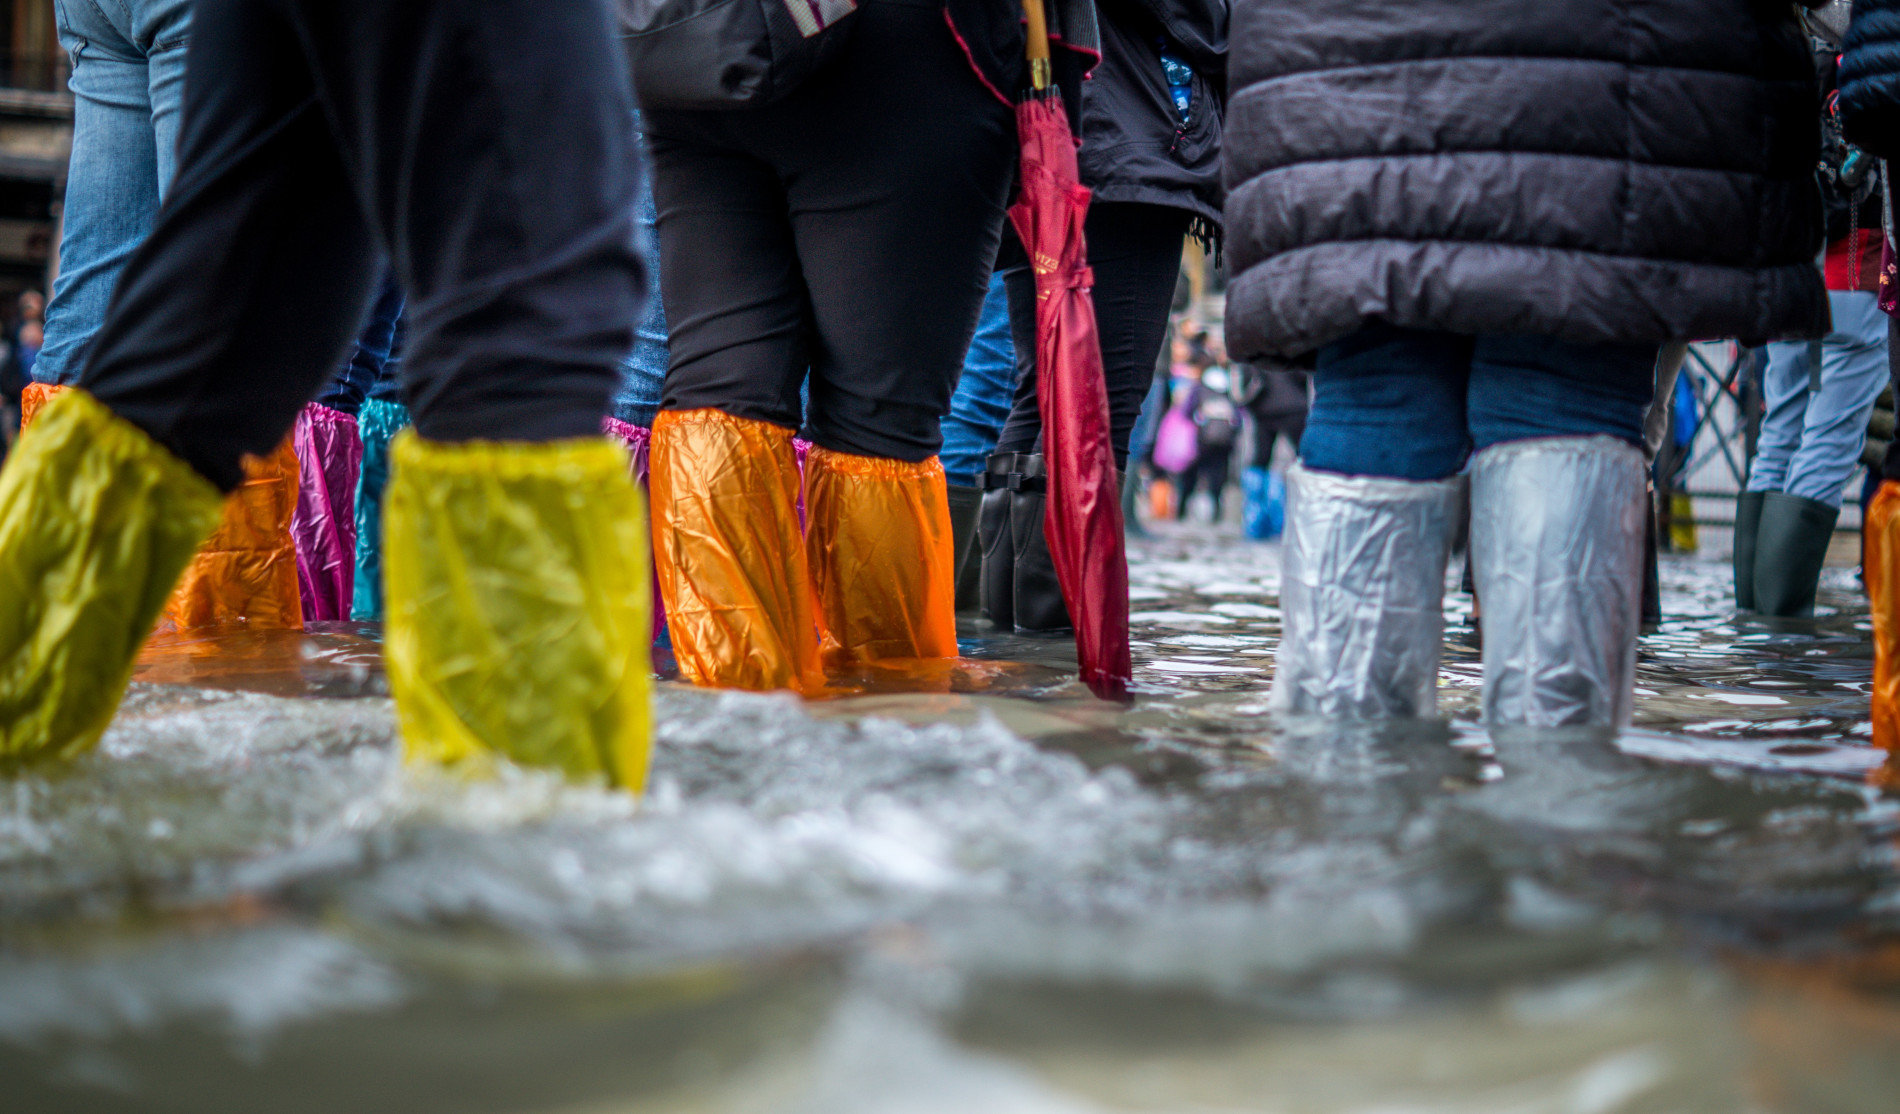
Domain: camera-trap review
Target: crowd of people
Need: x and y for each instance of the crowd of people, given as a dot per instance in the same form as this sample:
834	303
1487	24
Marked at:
386	312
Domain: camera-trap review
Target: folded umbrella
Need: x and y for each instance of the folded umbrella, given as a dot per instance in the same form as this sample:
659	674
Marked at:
1082	516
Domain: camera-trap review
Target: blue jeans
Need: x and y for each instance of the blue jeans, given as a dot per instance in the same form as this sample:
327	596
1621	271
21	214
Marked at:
128	83
1812	438
374	358
1413	404
984	393
643	372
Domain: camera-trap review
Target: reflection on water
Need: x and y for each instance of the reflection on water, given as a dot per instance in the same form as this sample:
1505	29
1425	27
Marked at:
975	889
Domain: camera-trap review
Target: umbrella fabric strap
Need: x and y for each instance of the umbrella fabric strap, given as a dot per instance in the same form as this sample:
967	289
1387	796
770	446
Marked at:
1014	472
1082	278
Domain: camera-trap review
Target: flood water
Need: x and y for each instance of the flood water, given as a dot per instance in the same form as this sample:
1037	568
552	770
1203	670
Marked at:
977	891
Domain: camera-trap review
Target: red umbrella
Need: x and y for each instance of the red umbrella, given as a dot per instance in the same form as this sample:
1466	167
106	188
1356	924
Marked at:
1082	519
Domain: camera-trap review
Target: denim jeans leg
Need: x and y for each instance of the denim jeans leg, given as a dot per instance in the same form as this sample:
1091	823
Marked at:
1784	386
1390	403
1834	427
160	29
112	184
1529	387
984	394
643	372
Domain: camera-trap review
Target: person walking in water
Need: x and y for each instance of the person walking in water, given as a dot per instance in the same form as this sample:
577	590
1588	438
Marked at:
322	142
1486	216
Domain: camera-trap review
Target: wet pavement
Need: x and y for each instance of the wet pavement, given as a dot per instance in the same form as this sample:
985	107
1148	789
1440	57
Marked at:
974	889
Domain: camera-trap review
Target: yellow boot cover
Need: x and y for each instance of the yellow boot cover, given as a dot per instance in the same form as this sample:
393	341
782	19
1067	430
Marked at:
1883	589
517	605
96	520
727	545
882	557
247	572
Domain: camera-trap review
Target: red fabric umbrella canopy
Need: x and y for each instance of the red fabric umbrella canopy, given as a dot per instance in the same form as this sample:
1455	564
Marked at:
1083	515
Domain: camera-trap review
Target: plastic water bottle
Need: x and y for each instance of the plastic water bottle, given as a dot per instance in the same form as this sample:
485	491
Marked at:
1180	85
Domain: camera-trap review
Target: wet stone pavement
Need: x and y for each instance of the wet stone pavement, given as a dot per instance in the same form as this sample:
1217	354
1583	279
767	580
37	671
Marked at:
972	889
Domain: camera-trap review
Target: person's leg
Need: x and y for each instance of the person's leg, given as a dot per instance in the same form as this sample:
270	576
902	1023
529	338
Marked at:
728	543
977	413
1558	513
643	372
239	301
1135	254
516	591
1370	515
1834	424
1390	403
897	222
981	405
1797	521
112	182
1785	381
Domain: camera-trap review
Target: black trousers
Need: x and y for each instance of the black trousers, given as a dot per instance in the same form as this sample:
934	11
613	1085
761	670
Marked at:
485	150
1135	252
841	237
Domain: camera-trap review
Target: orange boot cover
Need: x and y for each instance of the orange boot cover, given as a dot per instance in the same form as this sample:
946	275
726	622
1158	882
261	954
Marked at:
36	396
882	557
1882	573
247	572
727	547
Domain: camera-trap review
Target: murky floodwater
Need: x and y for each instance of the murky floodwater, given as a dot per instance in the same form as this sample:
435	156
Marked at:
977	891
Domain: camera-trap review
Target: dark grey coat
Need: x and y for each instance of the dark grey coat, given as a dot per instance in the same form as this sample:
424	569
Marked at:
1629	171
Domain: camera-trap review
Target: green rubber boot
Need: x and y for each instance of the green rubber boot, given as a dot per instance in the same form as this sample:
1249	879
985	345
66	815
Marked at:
1747	523
1790	547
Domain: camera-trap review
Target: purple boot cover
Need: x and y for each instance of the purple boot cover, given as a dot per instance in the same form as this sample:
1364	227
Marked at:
330	455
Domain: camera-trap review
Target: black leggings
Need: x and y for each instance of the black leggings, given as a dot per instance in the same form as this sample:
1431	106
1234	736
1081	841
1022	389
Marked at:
485	149
844	234
1135	252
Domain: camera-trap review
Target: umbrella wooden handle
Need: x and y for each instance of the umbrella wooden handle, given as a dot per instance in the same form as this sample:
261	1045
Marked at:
1038	53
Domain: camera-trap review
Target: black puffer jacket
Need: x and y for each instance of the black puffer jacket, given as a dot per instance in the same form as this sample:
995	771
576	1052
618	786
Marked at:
1133	145
1594	170
1870	78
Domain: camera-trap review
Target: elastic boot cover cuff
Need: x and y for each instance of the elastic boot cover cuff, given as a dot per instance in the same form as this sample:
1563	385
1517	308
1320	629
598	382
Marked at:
882	558
1883	589
247	571
329	460
1362	590
731	554
1557	531
518	605
96	521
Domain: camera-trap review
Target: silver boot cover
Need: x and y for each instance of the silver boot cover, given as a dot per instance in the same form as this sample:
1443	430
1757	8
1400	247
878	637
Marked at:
1362	595
1557	546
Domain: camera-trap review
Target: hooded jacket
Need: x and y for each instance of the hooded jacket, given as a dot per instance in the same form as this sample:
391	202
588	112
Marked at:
1600	171
1134	146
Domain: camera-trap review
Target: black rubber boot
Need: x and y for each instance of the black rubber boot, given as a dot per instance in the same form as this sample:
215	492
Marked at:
966	504
1747	522
996	561
1019	590
1037	592
1791	542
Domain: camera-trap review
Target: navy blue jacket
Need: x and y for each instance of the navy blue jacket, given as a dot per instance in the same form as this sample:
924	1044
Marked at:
1870	78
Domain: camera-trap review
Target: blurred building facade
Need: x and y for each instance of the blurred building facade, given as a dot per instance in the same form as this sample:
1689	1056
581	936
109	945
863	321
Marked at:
36	129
